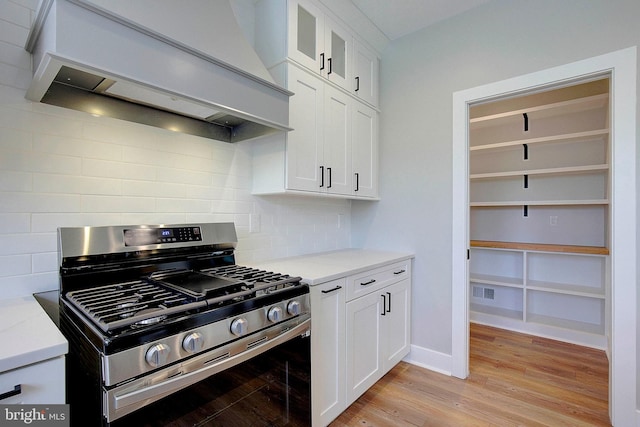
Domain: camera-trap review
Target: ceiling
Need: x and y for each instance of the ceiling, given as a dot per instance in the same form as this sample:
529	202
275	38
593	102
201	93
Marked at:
397	18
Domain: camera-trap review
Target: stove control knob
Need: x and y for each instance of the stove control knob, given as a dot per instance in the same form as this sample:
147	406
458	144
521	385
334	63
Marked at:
294	308
193	343
157	355
274	314
239	326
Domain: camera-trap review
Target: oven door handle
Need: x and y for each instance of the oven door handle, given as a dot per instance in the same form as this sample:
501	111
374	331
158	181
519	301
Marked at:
119	403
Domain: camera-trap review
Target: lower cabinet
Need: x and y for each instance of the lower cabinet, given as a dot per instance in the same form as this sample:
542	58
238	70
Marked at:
327	351
40	383
360	330
378	331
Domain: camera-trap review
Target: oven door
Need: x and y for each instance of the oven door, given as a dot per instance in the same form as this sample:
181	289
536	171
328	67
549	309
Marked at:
267	385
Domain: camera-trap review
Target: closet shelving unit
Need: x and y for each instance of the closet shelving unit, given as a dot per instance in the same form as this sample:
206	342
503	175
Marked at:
539	174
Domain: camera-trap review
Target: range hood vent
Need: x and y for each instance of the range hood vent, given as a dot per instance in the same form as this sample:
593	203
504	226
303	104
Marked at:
89	57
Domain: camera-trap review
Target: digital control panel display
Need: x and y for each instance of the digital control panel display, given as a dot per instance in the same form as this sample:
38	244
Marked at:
155	236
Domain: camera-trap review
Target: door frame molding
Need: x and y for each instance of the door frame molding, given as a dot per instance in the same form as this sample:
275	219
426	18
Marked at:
621	66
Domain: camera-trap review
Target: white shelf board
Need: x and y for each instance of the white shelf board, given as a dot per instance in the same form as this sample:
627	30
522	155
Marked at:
544	139
540	203
496	311
485	279
557	322
566	289
563	107
569	170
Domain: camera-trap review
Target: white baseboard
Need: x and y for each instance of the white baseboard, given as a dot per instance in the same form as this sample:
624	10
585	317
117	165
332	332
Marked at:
429	359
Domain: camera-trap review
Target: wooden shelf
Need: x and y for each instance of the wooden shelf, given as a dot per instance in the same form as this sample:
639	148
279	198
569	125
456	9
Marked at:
542	247
540	203
569	170
563	107
545	139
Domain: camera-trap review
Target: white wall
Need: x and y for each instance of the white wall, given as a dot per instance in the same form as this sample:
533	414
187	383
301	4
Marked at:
419	73
63	168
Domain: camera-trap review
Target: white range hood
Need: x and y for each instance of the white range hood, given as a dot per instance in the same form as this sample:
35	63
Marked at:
188	61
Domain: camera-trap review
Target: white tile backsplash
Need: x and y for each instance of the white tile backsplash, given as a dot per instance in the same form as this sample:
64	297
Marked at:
15	265
61	168
15	14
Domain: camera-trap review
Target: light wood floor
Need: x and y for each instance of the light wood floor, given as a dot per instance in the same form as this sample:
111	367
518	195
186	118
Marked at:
515	380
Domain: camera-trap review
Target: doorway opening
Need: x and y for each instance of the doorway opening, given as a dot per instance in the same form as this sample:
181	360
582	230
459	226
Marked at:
539	209
620	337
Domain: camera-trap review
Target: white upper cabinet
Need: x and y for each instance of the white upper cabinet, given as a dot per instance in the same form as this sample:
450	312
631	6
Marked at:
364	149
365	74
305	33
333	147
337	142
318	43
305	143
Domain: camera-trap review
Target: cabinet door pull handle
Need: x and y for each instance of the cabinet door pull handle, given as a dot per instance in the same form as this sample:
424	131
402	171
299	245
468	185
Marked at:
399	272
368	283
357	84
17	389
322	61
321	176
389	294
329	171
384	305
357	181
328	291
330	70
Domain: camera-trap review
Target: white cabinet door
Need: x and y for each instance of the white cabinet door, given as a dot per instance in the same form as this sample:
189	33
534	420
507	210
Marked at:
328	351
365	74
365	151
305	142
378	335
337	142
396	328
337	54
364	364
319	43
306	34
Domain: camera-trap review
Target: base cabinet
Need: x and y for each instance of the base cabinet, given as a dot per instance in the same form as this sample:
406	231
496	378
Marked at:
327	351
378	328
360	330
40	383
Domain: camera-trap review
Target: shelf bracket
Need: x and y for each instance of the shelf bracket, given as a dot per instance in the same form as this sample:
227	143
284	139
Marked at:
526	181
525	152
526	122
525	211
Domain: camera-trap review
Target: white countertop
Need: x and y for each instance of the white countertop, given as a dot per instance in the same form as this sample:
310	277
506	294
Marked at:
323	267
28	334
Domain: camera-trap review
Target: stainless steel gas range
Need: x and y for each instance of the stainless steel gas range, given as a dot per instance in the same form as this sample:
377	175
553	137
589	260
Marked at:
164	328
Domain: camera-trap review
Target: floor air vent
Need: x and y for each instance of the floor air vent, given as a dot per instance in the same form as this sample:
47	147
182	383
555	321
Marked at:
485	293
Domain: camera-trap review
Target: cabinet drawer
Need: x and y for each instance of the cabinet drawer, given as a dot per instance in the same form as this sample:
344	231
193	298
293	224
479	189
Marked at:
372	280
40	383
